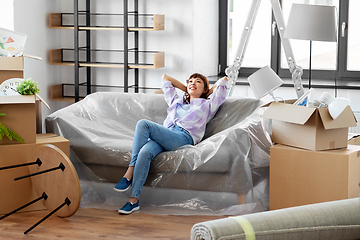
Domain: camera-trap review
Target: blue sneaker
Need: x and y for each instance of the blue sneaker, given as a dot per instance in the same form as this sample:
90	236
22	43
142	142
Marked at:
129	208
123	185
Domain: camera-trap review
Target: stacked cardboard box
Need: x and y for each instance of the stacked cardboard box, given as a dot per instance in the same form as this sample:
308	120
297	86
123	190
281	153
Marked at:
13	67
311	161
21	118
20	110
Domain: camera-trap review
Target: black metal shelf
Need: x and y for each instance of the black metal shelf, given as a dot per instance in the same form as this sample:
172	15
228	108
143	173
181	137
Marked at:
83	56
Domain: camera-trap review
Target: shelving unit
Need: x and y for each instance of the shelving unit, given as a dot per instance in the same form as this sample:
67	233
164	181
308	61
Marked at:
82	57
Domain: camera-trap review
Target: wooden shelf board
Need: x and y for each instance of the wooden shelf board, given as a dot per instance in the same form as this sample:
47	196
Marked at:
116	65
143	29
55	23
62	63
106	28
61	27
56	59
102	28
107	65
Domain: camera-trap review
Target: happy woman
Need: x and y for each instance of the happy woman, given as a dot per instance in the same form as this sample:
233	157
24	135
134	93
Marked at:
184	125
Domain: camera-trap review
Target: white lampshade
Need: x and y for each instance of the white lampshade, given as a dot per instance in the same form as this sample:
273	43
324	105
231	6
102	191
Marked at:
312	22
264	81
335	105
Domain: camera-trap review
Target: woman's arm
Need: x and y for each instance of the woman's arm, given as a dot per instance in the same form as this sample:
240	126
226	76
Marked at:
175	83
214	86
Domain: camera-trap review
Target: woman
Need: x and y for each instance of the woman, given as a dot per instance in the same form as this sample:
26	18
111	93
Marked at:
184	125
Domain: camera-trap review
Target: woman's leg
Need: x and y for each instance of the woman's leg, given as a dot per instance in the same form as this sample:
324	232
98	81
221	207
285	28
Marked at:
151	139
129	172
142	166
168	139
145	130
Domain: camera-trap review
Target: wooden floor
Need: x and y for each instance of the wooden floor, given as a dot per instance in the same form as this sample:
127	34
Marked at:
99	224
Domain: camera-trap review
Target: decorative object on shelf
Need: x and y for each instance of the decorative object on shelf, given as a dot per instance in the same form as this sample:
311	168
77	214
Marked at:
54	179
28	87
318	25
8	87
11	135
19	86
11	43
264	81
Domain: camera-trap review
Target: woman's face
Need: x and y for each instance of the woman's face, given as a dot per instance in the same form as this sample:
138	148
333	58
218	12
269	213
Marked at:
195	87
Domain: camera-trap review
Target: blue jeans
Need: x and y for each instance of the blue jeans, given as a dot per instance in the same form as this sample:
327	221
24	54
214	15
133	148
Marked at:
151	139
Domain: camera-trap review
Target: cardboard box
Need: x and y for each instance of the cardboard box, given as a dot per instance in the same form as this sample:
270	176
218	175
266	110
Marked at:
20	117
300	177
15	194
309	128
11	67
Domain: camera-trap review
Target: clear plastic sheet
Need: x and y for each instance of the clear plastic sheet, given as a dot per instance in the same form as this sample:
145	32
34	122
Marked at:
230	163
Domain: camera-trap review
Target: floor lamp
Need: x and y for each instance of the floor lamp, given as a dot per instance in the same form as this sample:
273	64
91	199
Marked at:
312	22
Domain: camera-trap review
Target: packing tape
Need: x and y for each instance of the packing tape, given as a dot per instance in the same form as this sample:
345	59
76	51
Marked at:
246	226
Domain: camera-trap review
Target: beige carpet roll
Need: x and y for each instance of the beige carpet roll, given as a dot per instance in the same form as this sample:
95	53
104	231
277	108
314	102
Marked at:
330	220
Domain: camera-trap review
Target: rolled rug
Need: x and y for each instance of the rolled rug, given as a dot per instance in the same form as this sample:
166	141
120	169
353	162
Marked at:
329	220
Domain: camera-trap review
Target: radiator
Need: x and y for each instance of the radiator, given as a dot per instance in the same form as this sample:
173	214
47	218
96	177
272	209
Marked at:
357	128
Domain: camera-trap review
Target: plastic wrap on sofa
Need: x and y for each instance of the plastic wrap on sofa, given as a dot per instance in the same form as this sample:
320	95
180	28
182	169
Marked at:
231	161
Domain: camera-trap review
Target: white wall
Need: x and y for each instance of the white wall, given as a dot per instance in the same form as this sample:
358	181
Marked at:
31	18
7	17
189	42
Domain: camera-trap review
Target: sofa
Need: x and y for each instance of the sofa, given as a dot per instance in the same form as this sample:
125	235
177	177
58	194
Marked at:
233	156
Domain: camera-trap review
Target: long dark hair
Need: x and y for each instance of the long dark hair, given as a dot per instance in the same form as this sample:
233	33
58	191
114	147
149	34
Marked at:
186	98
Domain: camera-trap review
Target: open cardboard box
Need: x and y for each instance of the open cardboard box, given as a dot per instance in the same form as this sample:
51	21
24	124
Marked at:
300	176
11	67
20	117
308	127
354	139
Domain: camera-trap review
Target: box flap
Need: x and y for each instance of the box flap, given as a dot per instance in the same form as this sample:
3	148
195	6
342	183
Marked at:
345	119
32	56
288	113
16	99
290	101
